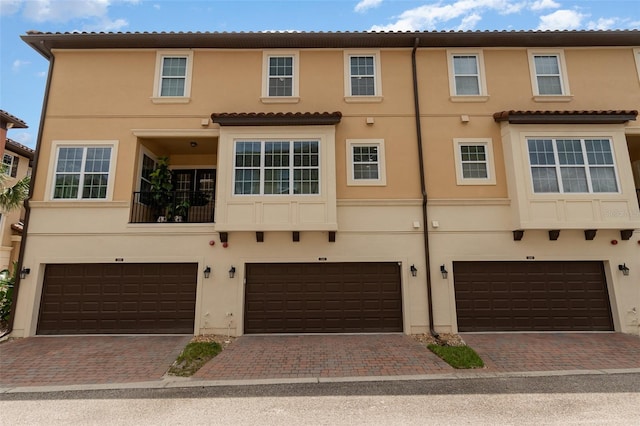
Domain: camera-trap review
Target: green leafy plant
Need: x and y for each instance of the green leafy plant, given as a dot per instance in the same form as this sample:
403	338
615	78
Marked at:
11	197
194	356
7	282
162	187
458	356
182	208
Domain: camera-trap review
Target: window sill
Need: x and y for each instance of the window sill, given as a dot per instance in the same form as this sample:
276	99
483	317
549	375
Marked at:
170	100
363	99
485	182
553	98
367	183
474	98
280	100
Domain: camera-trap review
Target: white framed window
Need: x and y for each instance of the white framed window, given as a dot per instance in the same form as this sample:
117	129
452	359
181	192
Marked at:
466	76
276	167
366	162
474	161
280	72
82	170
363	80
10	164
172	81
549	75
572	165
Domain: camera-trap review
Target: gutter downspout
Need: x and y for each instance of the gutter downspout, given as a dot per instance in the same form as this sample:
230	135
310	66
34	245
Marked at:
27	208
423	187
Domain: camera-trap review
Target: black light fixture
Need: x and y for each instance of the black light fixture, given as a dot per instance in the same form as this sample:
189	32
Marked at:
414	271
24	272
624	269
444	272
232	271
207	271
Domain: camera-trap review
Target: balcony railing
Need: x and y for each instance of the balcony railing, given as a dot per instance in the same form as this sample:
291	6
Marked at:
173	207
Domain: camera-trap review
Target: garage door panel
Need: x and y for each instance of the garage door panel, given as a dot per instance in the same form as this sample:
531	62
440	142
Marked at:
324	298
118	298
540	296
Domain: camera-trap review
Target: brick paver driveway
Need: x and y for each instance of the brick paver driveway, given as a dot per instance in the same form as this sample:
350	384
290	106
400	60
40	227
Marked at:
511	352
267	357
66	360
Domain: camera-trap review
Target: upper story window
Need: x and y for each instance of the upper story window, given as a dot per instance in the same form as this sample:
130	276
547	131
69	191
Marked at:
82	172
365	162
466	76
173	77
572	165
284	167
474	161
548	75
362	76
10	164
280	77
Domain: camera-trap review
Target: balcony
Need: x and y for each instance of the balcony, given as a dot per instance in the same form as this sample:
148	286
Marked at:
175	207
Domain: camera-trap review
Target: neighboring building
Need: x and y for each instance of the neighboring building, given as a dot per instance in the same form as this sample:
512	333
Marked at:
297	179
8	121
16	159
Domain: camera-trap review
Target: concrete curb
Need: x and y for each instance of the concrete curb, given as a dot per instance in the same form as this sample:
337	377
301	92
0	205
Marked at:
169	382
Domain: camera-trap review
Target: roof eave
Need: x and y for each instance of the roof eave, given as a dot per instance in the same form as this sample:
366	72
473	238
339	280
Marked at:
45	42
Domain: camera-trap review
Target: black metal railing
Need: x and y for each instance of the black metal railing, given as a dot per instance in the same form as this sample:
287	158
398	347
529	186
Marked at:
173	207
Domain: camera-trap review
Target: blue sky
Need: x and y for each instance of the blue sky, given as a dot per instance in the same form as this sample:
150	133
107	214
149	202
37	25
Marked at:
23	72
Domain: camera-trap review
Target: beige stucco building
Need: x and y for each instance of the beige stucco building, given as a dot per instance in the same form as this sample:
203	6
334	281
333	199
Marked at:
336	182
16	160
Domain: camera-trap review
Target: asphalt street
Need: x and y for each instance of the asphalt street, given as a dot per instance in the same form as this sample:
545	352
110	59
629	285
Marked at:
578	399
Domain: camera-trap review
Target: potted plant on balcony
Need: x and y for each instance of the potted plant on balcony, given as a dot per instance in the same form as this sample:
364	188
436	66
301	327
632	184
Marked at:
181	210
162	189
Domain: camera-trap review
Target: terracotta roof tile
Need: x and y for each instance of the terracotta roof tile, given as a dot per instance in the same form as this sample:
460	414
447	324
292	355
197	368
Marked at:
44	42
566	117
9	118
276	119
20	149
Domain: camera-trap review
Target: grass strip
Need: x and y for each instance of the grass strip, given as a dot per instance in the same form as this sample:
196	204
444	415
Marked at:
194	356
458	356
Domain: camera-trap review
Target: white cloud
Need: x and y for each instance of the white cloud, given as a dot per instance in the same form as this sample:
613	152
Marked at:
24	137
561	20
544	4
427	17
469	22
41	74
106	24
602	24
9	7
18	64
93	14
64	10
365	5
156	6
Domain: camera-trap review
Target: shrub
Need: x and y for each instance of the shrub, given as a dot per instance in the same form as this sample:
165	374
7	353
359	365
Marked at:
7	281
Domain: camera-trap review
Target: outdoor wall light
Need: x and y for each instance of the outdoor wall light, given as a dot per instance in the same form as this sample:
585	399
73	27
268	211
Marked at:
624	269
232	271
207	271
444	272
26	271
414	271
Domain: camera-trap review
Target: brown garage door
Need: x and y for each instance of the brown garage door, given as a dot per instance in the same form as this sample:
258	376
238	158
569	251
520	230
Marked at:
118	298
323	298
531	296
